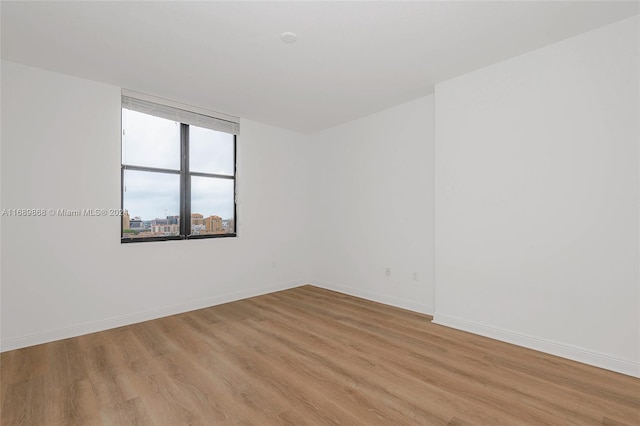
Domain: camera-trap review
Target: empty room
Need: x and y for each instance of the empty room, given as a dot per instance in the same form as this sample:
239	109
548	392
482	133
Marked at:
320	213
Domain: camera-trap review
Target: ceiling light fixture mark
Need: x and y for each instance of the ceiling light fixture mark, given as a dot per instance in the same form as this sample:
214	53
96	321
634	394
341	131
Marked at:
288	37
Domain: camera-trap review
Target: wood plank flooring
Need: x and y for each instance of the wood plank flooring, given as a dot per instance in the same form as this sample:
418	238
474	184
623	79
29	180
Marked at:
305	356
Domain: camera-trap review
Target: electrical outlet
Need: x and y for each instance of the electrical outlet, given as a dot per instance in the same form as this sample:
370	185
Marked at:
273	264
415	276
387	272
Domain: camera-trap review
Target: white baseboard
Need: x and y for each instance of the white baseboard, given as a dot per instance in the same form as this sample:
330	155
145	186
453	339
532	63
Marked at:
106	324
554	348
547	346
409	305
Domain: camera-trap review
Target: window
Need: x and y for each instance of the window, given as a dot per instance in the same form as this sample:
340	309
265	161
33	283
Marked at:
178	172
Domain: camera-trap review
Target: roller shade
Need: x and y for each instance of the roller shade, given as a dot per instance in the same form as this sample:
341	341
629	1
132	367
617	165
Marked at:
180	113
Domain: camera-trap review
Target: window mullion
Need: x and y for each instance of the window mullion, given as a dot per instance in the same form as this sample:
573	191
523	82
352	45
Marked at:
185	182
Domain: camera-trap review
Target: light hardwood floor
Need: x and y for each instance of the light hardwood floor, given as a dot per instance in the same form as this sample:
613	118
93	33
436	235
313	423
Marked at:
304	356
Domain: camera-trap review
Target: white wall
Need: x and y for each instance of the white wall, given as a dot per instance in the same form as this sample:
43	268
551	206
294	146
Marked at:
372	206
64	276
537	199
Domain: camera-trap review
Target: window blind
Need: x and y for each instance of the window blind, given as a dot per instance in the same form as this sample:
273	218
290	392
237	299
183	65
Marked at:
180	112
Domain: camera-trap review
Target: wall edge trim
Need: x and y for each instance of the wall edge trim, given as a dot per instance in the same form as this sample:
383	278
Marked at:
551	347
137	317
409	305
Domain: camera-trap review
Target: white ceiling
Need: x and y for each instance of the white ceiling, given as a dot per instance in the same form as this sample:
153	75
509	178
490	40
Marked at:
351	58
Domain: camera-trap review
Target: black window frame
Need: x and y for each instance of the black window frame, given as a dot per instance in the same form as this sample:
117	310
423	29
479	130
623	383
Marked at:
185	190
